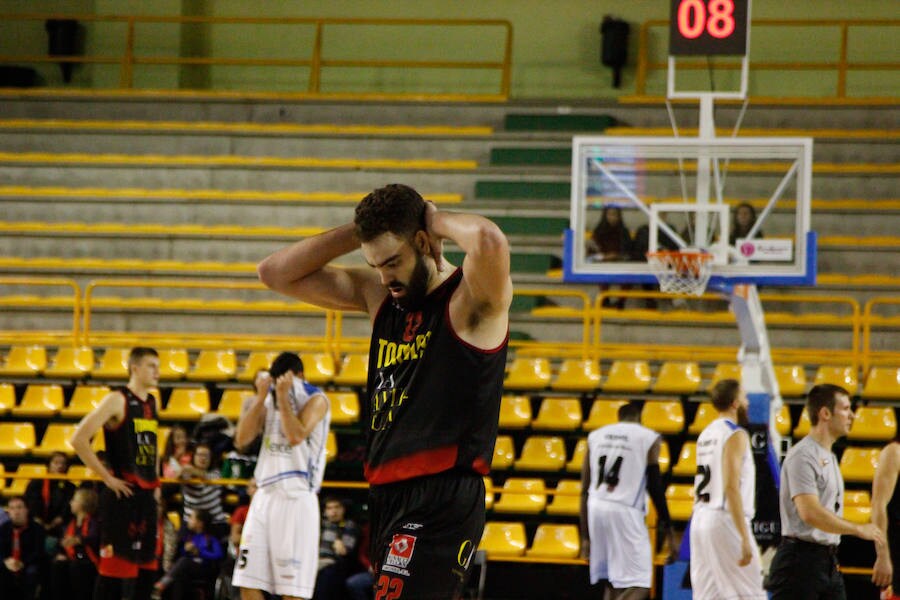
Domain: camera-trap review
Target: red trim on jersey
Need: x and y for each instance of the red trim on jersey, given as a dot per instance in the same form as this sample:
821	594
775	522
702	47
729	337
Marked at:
141	483
424	462
481	466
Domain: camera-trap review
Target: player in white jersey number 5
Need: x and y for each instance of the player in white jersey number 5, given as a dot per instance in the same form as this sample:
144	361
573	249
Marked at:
622	460
724	555
280	541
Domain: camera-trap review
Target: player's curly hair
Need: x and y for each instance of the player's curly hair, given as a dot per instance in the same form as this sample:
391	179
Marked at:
394	208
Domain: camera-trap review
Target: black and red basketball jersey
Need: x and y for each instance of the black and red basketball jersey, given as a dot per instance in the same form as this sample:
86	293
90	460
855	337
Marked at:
433	400
131	450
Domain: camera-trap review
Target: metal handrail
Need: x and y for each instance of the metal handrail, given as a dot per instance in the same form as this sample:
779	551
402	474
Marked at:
316	61
53	281
842	64
868	355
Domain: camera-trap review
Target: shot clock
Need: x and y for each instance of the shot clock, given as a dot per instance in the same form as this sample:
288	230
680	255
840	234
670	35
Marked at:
708	27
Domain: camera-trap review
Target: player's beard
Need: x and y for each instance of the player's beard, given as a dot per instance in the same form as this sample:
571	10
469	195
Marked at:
743	418
416	288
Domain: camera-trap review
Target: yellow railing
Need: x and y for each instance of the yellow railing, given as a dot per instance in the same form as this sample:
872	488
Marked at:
19	336
316	61
841	63
870	320
581	310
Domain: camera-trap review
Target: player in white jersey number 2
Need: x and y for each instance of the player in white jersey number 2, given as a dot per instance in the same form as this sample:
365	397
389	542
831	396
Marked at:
622	460
724	556
279	546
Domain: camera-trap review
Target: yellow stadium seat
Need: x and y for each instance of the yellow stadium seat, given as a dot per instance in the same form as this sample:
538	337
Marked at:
488	493
40	401
113	364
680	499
73	362
85	398
663	416
791	380
56	439
256	361
318	369
555	541
858	464
542	453
504	453
783	421
2	479
603	412
665	458
558	413
7	397
501	539
628	377
79	474
577	461
677	378
883	383
231	402
354	370
705	415
331	448
725	371
344	408
519	495
16	439
214	365
857	506
687	461
842	376
528	373
98	442
577	375
803	426
24	361
186	404
874	424
568	503
515	412
173	364
17	486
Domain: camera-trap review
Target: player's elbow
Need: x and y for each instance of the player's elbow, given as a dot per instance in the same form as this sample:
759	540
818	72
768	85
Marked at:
267	273
295	439
491	240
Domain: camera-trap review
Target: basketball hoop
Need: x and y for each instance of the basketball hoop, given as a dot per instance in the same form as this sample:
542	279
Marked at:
683	272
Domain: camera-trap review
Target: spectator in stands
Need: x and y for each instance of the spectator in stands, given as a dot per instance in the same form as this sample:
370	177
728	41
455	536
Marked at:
177	453
886	516
198	557
48	500
610	241
622	461
360	586
21	552
74	569
744	220
338	539
207	496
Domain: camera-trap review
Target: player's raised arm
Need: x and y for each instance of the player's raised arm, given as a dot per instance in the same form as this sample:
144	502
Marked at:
302	271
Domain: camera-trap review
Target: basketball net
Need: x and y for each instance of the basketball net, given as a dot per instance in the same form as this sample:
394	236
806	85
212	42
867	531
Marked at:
683	272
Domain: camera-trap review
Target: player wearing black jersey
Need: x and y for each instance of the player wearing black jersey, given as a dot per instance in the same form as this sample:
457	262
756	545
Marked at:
436	364
127	512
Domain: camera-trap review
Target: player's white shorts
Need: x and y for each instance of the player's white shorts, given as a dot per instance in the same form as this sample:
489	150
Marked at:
715	552
279	550
620	545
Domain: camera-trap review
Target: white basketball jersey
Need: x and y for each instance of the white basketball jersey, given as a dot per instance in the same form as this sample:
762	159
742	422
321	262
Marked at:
299	468
709	483
618	461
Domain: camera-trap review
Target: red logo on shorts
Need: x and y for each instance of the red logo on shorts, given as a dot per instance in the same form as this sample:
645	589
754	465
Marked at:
401	550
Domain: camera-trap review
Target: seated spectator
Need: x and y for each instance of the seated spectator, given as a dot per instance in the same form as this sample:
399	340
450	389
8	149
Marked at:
21	552
198	557
198	495
744	220
361	585
338	539
610	241
177	453
48	501
74	568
